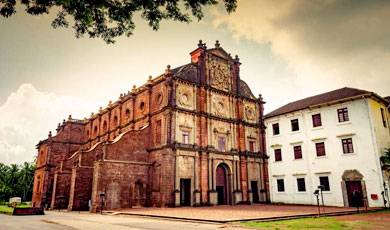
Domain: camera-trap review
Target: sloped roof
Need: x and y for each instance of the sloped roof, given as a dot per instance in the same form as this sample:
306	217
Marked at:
245	90
187	72
328	97
387	99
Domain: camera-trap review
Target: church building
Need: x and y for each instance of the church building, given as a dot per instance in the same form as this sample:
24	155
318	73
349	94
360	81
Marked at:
192	136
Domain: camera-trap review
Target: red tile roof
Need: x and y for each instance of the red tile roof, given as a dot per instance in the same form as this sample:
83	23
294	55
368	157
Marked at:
328	97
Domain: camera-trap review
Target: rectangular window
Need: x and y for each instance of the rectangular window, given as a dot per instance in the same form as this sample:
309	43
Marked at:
185	136
324	181
252	146
294	125
278	154
280	184
316	120
297	152
275	128
222	144
343	114
158	132
320	149
301	185
383	117
347	145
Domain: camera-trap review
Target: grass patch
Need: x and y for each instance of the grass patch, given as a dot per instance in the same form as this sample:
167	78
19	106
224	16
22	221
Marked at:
6	210
308	223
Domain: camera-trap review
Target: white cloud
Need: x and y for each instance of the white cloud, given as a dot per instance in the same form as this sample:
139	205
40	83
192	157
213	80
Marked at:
27	116
327	44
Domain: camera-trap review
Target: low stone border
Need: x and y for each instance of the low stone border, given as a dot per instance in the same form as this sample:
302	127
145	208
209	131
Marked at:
28	211
263	219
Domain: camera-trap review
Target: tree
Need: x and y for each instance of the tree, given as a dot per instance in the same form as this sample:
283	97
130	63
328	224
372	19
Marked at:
25	180
16	180
108	19
385	159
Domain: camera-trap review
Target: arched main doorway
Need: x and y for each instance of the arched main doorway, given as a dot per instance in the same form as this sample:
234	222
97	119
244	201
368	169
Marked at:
222	184
354	189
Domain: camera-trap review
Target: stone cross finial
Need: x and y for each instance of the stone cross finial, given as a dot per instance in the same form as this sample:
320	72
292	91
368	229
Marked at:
200	44
168	69
217	45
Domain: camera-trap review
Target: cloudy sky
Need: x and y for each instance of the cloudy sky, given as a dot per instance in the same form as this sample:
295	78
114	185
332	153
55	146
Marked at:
289	50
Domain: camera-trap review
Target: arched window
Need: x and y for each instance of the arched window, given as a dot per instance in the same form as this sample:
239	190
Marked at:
95	130
104	126
115	120
127	113
142	106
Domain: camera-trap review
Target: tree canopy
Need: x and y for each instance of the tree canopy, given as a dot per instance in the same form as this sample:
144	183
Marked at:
108	19
385	159
16	181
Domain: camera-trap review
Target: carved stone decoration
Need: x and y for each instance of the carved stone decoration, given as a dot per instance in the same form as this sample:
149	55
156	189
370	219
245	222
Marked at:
219	106
185	97
250	112
219	73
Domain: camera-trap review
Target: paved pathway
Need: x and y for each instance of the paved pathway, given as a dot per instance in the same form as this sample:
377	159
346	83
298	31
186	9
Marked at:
85	221
232	213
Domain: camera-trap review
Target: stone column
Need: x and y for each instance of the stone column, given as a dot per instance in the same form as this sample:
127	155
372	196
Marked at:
177	181
196	180
212	192
250	194
262	185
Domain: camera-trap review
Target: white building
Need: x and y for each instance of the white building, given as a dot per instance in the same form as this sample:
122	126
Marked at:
333	139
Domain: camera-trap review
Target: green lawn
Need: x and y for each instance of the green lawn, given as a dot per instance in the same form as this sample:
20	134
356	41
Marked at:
308	223
6	210
363	221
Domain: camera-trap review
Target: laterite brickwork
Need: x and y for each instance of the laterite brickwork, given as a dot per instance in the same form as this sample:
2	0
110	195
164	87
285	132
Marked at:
162	144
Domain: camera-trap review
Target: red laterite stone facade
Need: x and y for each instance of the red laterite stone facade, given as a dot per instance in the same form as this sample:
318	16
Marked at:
192	136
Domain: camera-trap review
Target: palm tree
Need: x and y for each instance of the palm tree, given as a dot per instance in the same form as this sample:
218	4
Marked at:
12	179
25	179
4	188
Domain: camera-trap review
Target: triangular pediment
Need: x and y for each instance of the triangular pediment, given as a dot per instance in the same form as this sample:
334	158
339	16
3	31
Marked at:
220	52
